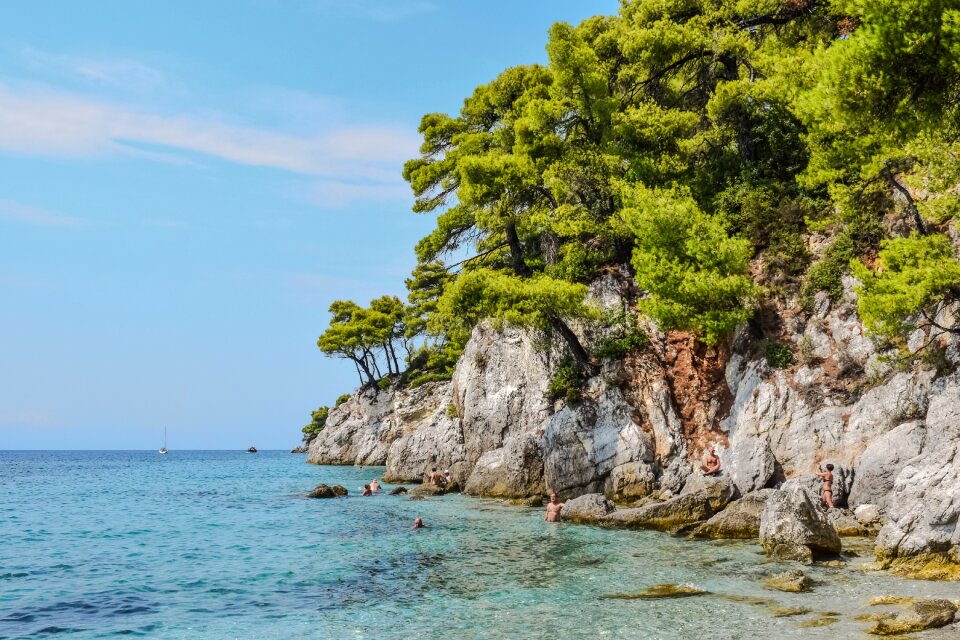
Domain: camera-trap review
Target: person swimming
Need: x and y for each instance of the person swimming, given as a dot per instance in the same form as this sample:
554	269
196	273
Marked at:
366	491
418	524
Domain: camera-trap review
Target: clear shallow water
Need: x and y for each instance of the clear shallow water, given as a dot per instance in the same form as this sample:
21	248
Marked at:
223	545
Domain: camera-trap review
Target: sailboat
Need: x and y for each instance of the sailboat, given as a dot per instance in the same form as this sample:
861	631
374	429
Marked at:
163	449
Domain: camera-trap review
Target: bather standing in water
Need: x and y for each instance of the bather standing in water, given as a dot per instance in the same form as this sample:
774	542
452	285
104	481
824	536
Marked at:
827	488
553	509
366	491
375	486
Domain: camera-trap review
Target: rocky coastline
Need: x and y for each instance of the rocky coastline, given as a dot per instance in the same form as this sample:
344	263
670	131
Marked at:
624	455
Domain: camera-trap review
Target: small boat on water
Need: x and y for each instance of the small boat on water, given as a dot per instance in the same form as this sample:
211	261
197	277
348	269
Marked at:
252	450
163	449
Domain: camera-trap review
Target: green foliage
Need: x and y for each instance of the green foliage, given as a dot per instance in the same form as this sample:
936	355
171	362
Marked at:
915	278
506	298
695	273
318	420
452	411
366	336
342	398
779	355
857	238
567	382
624	337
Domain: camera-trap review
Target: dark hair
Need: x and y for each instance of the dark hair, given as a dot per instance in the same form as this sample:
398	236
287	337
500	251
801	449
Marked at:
433	469
829	467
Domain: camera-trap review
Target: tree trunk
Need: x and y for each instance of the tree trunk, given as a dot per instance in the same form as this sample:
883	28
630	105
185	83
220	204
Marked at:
393	354
573	343
516	250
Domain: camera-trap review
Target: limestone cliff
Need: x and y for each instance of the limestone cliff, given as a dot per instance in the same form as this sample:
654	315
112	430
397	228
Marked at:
892	432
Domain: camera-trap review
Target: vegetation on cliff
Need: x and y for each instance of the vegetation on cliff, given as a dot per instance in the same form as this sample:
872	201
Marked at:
730	153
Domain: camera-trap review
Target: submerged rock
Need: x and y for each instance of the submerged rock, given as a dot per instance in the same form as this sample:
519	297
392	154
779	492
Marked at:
920	614
589	509
324	491
739	521
532	501
658	592
792	581
794	527
398	491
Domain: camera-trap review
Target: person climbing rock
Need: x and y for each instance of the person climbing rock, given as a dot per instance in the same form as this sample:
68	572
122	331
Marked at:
826	489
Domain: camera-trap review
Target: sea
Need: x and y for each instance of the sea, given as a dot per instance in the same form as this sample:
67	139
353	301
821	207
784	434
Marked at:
222	544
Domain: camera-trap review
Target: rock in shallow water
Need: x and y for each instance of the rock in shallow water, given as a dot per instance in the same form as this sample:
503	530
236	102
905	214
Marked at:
919	615
398	491
794	527
424	490
324	491
792	581
658	592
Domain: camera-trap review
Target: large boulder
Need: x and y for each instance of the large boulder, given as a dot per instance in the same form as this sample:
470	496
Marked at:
877	469
739	521
425	490
631	481
751	464
587	509
811	483
847	524
514	470
793	526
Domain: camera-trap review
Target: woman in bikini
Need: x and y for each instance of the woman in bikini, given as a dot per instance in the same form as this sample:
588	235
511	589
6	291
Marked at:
827	488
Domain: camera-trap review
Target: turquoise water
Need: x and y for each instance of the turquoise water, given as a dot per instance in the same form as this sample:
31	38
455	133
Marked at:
223	545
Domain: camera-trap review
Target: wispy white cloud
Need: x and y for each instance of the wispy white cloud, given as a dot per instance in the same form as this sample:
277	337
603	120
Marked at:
27	418
26	214
105	71
41	121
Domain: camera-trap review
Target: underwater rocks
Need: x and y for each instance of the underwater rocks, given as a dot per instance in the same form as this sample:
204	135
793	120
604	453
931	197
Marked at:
794	527
792	581
398	491
324	491
425	490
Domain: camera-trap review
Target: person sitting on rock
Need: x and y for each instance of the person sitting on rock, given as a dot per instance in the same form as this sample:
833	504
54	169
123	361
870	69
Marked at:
366	491
447	479
418	524
375	485
827	488
435	476
711	463
553	509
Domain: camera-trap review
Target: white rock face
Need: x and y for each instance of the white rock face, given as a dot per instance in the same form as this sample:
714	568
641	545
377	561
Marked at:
361	430
923	510
750	463
867	513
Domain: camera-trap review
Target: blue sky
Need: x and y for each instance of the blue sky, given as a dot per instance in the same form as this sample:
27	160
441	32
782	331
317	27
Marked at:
184	189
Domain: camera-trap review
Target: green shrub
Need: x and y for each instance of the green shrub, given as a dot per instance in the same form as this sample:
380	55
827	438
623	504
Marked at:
779	355
567	382
318	420
452	411
342	399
